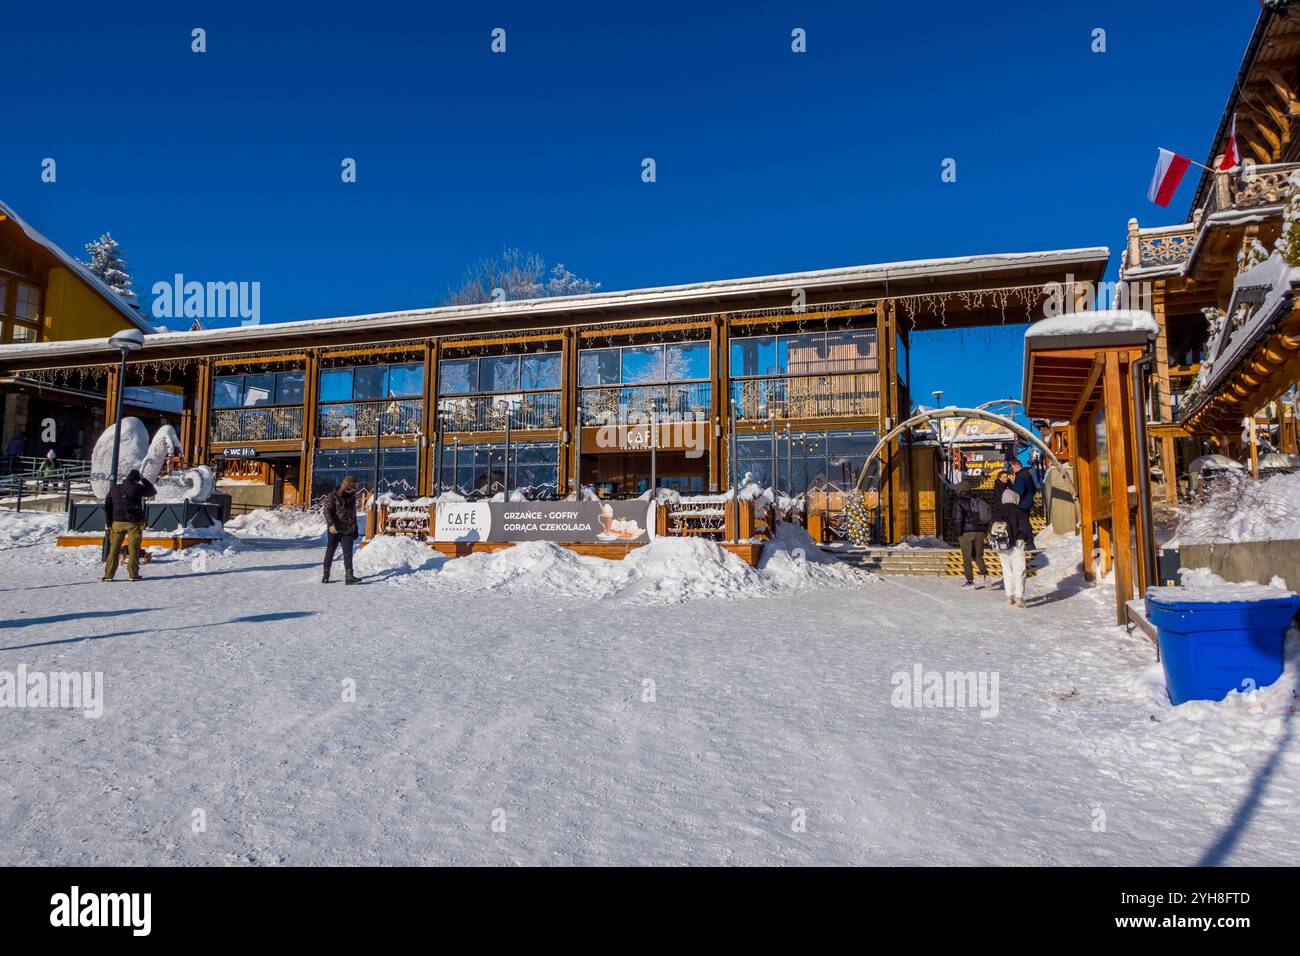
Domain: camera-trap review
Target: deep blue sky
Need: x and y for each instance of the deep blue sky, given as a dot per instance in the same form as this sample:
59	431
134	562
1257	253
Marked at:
225	165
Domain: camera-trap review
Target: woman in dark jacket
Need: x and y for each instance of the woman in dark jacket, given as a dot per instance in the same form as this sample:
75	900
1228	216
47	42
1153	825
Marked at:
340	511
1020	541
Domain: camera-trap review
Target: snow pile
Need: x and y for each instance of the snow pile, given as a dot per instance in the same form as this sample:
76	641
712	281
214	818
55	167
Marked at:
394	554
669	570
922	541
288	523
1204	586
1239	509
1092	323
21	529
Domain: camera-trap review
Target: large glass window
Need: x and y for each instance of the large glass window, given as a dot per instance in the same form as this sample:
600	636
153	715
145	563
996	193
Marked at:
478	470
805	460
805	353
27	303
644	364
369	382
500	373
598	367
256	390
458	376
398	470
336	385
540	370
406	381
4	296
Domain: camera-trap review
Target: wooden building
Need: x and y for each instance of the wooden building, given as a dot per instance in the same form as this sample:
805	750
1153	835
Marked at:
788	378
1079	371
1229	339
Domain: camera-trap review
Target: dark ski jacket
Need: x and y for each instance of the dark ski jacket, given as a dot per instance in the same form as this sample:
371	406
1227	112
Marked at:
1017	523
964	517
1023	485
126	501
340	511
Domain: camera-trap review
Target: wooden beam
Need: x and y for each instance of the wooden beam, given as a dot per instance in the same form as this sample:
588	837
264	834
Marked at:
1117	442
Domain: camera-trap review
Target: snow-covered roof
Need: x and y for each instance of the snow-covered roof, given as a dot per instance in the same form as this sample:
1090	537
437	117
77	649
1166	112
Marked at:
1094	323
1214	462
77	269
707	294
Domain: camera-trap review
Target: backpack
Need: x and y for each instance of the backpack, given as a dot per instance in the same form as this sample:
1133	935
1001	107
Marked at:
1000	536
980	510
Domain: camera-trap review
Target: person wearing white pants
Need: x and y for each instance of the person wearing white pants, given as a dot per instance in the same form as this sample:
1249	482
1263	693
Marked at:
1011	525
1015	572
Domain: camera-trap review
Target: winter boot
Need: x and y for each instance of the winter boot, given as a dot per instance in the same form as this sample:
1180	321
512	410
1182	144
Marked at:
1020	602
984	582
968	584
349	579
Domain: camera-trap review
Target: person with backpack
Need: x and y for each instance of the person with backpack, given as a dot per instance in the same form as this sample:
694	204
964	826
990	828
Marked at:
340	512
124	511
971	517
1012	535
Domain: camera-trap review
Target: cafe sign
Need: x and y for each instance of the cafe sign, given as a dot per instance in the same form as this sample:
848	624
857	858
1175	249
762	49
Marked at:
564	522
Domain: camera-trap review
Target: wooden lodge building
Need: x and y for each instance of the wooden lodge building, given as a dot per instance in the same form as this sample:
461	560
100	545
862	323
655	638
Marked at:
800	373
1228	347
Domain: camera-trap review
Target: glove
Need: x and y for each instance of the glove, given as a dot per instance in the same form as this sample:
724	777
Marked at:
333	530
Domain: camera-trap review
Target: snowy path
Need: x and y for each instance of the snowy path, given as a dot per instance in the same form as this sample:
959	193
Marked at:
223	693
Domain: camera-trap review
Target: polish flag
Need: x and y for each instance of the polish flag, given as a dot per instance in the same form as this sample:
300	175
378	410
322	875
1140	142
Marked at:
1230	155
1170	168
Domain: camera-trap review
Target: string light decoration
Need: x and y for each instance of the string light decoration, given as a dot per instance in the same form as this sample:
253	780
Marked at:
857	519
936	303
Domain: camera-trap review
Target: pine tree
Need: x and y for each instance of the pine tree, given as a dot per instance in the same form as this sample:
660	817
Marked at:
857	519
106	262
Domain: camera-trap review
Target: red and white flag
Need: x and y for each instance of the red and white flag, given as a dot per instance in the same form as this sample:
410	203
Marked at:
1230	155
1170	168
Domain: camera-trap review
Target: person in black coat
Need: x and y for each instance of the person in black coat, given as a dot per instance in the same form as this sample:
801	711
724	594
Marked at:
967	522
1020	540
124	514
340	511
1022	483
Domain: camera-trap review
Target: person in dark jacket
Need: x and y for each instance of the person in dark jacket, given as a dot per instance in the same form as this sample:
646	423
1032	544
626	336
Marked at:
340	511
1020	535
1022	483
124	511
970	528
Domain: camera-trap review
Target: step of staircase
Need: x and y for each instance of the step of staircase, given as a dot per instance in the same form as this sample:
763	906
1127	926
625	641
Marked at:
934	562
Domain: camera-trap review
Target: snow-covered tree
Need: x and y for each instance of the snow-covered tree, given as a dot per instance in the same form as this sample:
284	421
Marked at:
106	262
519	275
1289	242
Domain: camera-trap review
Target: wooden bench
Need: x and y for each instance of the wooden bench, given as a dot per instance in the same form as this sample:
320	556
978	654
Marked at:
1136	613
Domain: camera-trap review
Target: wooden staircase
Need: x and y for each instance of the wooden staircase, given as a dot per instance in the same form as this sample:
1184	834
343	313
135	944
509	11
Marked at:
926	562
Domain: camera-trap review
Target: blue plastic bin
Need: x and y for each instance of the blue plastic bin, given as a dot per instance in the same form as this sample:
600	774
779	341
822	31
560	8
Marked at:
1212	648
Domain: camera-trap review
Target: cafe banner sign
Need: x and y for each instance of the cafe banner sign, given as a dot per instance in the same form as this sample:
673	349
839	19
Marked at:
564	522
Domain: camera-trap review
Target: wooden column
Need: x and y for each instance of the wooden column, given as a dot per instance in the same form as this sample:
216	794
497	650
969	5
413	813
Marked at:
188	418
1165	403
111	388
1085	488
310	392
569	466
719	432
1117	442
885	347
428	478
202	411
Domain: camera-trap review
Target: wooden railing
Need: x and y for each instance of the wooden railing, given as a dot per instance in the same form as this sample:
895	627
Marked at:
489	413
255	424
360	419
807	396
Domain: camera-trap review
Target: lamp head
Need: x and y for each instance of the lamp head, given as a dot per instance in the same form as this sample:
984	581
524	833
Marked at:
128	340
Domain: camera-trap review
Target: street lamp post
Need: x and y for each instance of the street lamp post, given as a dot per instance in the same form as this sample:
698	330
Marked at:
126	342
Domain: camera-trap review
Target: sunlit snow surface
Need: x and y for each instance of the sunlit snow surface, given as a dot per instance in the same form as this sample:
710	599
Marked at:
672	708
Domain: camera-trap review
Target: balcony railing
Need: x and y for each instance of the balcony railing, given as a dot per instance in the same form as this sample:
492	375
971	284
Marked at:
359	419
489	413
255	424
687	401
1252	187
807	396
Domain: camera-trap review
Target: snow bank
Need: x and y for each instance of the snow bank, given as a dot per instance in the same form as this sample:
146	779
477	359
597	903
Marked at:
667	571
394	554
1239	509
20	529
1204	586
288	523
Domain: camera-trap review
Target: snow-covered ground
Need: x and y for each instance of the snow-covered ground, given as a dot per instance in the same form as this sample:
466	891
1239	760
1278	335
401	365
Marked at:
536	707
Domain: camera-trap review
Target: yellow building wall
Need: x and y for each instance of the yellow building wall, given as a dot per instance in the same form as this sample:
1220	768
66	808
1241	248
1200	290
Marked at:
72	311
